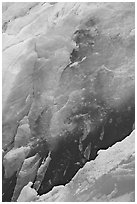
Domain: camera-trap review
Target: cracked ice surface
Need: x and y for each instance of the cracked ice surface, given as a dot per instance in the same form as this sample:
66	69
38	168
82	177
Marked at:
68	91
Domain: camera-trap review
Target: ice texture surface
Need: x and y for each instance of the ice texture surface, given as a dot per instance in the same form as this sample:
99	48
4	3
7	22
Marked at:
68	90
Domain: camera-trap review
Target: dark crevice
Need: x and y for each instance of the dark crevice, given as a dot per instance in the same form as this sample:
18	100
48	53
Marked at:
8	186
68	159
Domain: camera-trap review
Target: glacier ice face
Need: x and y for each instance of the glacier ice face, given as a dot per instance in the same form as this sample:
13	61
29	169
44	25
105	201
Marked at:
68	88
